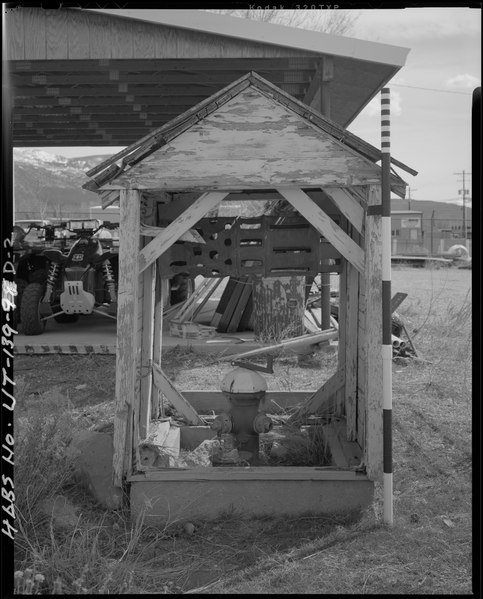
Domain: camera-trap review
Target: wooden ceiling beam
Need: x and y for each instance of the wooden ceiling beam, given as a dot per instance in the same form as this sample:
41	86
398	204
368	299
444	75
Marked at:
106	111
183	64
121	100
79	128
150	77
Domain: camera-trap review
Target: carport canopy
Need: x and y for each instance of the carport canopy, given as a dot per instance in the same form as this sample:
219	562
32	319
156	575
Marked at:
96	77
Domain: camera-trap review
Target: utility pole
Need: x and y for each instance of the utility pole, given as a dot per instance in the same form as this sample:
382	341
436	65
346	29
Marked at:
463	192
409	196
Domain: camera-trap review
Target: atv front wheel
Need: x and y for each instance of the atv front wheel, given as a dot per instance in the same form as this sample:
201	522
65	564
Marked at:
21	286
30	316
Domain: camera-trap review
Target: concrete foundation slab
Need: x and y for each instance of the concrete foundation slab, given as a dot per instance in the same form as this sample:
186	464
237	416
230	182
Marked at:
163	501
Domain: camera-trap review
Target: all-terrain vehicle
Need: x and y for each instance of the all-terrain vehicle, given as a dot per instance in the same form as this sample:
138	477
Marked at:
70	280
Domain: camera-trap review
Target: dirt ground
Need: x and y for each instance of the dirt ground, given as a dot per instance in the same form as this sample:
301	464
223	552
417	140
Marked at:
429	549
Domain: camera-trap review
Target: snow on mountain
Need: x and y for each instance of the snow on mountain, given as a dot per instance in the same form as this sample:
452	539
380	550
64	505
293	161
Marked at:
51	184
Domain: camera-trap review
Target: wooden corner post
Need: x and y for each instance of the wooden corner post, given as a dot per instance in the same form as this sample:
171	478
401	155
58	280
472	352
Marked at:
370	388
127	374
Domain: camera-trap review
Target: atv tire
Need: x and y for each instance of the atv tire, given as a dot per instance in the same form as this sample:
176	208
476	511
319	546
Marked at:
38	276
30	310
21	286
64	318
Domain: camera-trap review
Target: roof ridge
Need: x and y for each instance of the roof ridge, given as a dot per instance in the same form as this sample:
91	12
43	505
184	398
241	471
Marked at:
105	171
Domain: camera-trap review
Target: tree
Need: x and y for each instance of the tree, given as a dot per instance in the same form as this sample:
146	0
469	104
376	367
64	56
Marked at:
337	22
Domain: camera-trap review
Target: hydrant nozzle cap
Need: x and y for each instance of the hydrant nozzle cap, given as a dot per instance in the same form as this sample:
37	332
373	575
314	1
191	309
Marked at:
242	380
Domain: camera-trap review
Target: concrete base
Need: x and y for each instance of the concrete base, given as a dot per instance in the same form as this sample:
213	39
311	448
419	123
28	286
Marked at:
170	500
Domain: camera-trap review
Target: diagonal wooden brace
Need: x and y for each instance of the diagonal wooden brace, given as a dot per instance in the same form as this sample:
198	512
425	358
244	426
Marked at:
185	221
175	397
325	225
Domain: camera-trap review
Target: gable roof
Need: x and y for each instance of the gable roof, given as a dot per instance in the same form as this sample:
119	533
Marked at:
125	160
267	33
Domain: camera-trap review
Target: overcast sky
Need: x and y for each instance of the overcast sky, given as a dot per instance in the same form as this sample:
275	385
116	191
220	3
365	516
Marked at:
431	127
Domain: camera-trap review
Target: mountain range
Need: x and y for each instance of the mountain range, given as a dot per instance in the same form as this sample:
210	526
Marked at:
48	185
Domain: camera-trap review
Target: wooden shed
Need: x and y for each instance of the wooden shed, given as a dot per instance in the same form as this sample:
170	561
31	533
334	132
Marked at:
249	140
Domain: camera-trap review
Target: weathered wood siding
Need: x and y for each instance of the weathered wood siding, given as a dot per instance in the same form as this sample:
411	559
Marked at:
127	355
279	306
250	142
78	34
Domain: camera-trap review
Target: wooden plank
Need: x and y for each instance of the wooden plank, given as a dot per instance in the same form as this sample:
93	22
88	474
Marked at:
246	321
259	473
361	365
121	40
144	40
351	326
231	305
397	300
322	399
78	34
225	298
344	453
174	396
147	305
348	205
34	33
240	307
343	332
373	338
126	333
212	288
14	34
100	36
180	225
204	290
289	344
325	91
56	23
159	296
326	226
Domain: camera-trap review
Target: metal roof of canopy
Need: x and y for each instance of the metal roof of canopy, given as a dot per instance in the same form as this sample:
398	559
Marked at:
107	78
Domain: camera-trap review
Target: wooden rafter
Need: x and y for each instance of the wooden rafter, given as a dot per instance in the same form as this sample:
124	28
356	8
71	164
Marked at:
326	226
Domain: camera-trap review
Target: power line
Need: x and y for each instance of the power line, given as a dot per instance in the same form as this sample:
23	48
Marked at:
431	89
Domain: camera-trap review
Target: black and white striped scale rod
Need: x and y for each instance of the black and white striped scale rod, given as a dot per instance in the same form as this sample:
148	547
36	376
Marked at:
386	305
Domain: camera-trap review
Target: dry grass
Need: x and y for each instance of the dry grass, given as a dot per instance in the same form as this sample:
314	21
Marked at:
427	551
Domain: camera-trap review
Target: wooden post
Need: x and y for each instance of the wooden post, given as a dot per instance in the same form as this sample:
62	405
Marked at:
351	336
326	74
126	352
341	354
160	292
146	322
370	341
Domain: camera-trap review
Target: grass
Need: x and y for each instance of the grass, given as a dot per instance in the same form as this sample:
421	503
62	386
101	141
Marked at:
427	551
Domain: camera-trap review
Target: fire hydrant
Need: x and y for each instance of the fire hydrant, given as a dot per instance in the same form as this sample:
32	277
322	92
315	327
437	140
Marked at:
245	389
